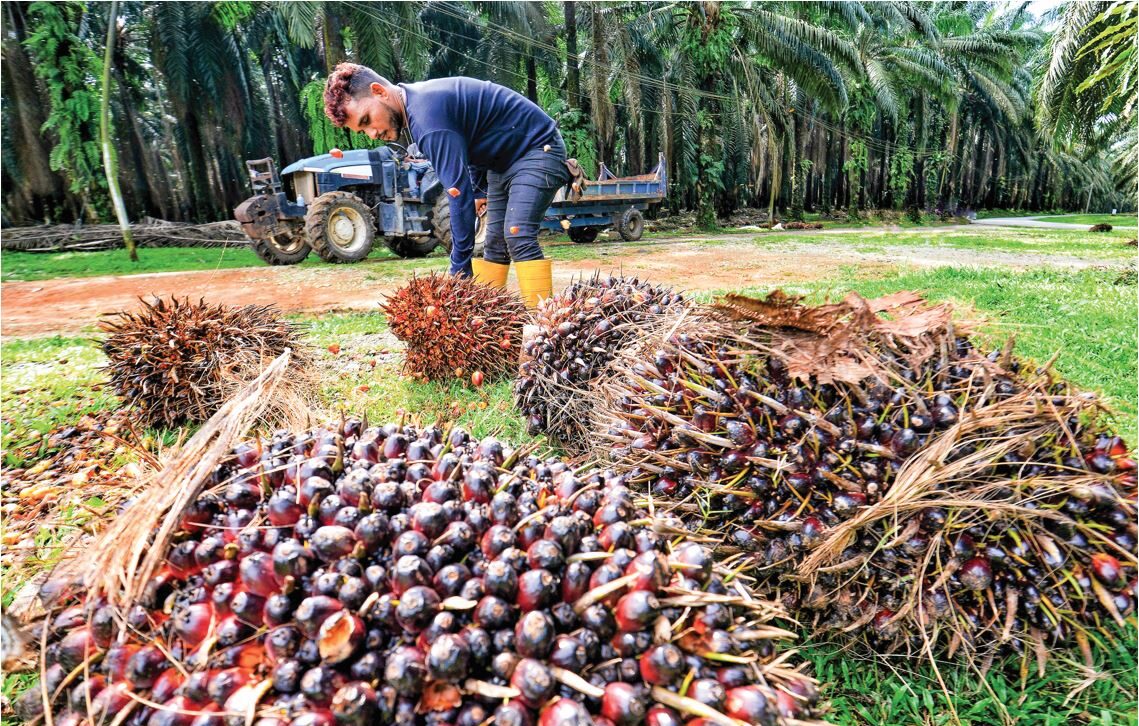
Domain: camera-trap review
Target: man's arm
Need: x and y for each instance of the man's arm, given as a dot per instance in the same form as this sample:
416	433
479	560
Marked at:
447	151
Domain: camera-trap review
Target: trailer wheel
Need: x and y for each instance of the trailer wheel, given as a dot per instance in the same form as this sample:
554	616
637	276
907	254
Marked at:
282	249
582	235
339	226
631	226
441	224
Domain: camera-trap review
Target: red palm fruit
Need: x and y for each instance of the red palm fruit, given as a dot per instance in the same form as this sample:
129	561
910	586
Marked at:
243	701
651	570
635	611
709	692
230	630
116	660
192	623
976	574
181	559
314	717
533	681
110	701
513	713
219	572
623	704
564	712
76	647
478	486
175	711
568	653
1107	569
534	635
497	539
209	715
575	581
366	450
748	704
406	671
314	487
282	643
355	704
660	715
493	613
340	636
536	589
693	561
292	559
236	520
248	608
169	681
409	571
448	658
224	682
247	656
313	611
283	509
103	625
209	550
332	542
86	689
477	378
787	705
662	664
416	608
196	686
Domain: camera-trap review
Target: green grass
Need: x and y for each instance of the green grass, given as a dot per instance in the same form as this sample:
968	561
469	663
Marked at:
1125	222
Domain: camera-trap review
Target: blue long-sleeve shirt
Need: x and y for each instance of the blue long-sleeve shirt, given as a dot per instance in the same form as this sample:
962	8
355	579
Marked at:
463	122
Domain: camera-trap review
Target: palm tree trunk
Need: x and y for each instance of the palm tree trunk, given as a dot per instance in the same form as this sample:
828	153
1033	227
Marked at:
573	73
110	155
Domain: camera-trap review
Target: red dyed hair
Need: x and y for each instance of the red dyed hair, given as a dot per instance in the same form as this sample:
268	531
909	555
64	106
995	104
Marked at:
348	80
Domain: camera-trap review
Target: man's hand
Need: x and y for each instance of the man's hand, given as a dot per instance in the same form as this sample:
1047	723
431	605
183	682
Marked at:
480	207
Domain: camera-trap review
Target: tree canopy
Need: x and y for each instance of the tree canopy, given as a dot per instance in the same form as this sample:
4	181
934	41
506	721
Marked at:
796	106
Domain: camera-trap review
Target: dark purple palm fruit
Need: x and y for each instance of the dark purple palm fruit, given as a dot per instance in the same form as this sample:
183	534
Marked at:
537	589
417	606
355	704
534	635
624	704
406	671
448	658
534	682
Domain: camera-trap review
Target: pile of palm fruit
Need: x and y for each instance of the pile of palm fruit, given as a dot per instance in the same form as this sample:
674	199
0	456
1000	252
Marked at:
455	327
356	575
176	361
885	477
580	331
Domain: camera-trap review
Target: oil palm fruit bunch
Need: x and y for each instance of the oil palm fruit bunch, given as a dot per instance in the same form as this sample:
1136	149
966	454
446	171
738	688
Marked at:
455	327
883	474
174	361
391	574
580	331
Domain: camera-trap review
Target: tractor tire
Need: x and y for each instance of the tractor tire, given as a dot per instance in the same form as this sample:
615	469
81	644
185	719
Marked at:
441	226
631	226
411	247
340	227
282	249
583	235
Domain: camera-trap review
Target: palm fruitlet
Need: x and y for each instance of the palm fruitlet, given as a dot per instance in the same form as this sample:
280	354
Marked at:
885	475
175	361
454	327
393	574
580	332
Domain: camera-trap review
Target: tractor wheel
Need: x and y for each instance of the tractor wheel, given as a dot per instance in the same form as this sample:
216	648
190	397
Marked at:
339	226
282	249
631	226
583	235
441	226
411	247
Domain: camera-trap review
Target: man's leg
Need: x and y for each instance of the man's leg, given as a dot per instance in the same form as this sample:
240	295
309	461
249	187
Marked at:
495	265
534	180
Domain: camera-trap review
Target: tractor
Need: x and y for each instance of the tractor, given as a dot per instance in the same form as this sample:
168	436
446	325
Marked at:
337	202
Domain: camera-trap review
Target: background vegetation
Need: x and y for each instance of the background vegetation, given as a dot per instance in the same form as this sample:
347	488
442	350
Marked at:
797	105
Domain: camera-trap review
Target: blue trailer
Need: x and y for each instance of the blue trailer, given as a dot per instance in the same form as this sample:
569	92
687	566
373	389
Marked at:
611	201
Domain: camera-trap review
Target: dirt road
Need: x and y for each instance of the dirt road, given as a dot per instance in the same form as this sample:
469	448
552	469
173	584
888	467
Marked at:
73	305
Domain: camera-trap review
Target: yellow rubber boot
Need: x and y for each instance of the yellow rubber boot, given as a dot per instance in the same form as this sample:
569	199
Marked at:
490	273
535	280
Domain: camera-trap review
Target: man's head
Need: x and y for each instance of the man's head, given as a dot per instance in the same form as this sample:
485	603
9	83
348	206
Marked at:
359	99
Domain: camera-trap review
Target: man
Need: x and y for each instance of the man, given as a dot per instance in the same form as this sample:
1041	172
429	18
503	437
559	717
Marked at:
463	124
